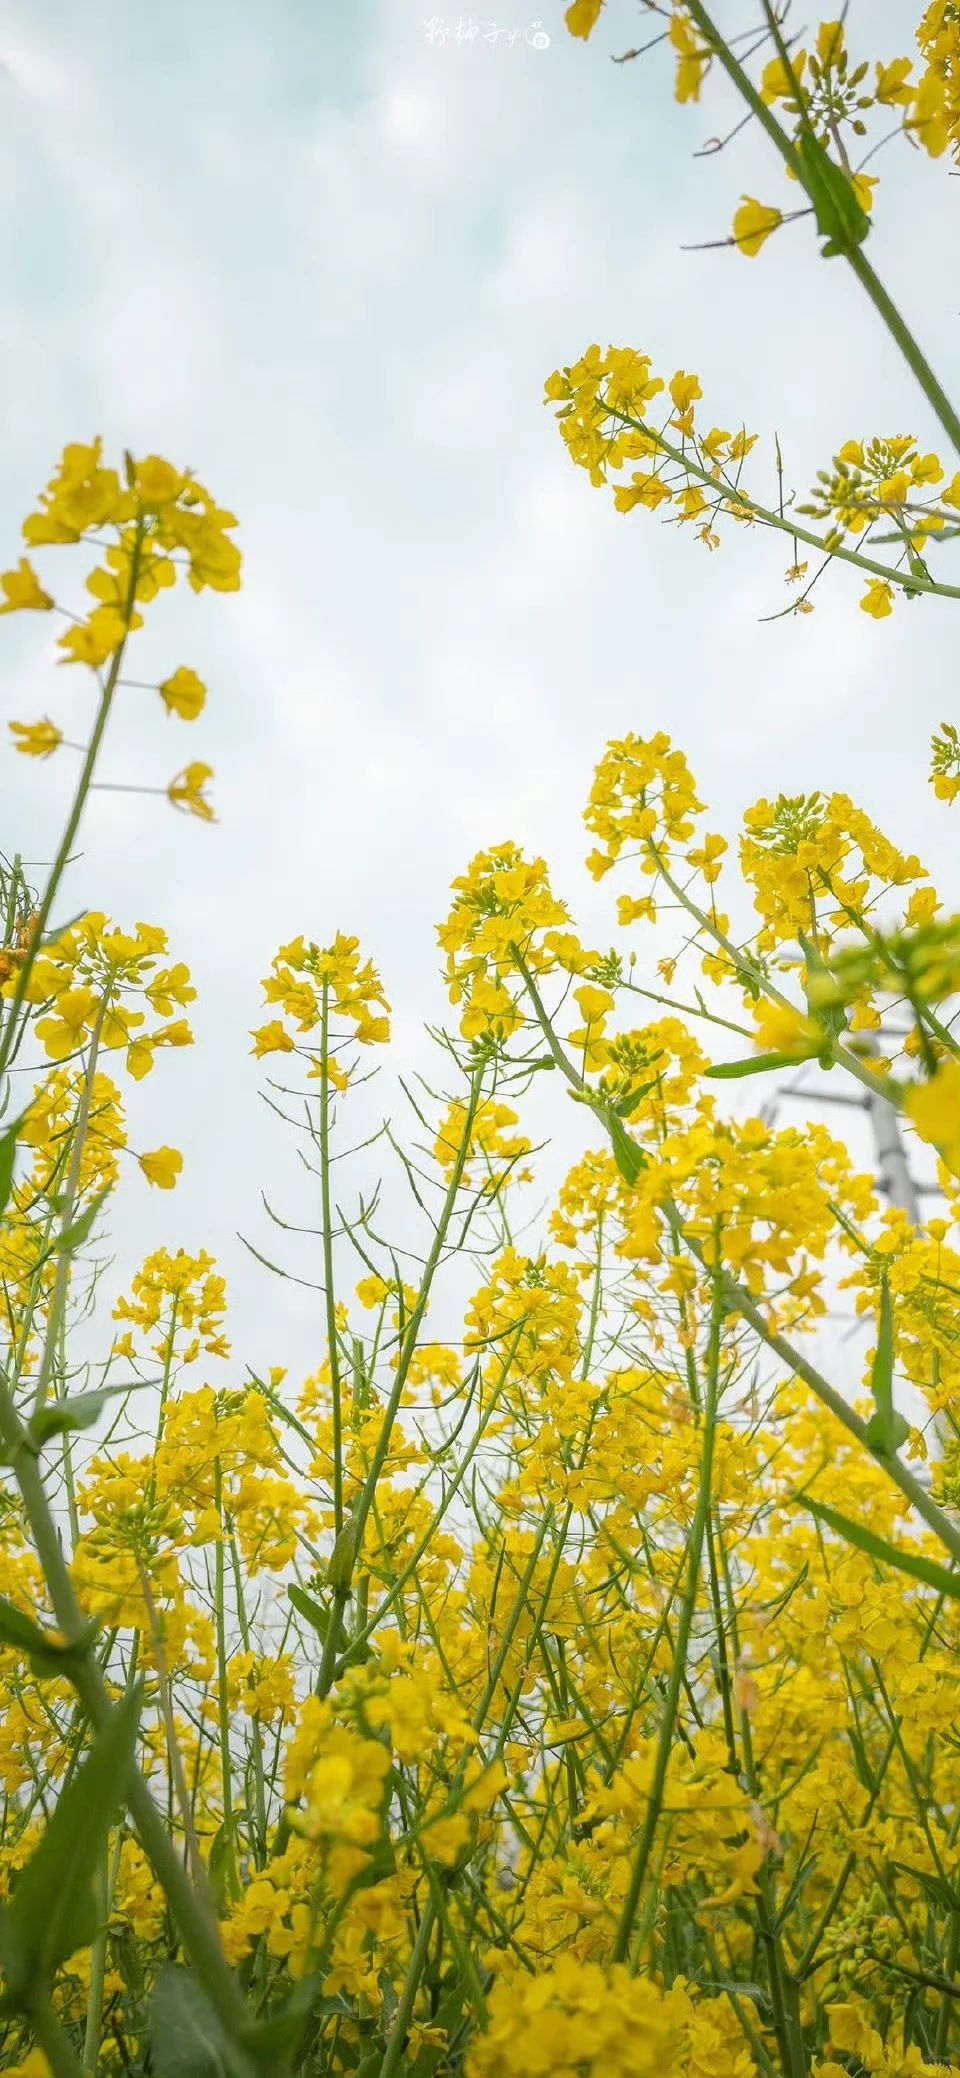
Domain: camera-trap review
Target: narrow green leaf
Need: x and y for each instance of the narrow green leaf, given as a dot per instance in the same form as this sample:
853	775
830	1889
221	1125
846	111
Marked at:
8	1156
54	1908
78	1232
67	1416
630	1159
912	1562
312	1612
19	1630
733	1071
841	219
886	1429
316	1616
939	1892
355	1655
756	1993
186	2038
277	2035
221	1860
627	1104
46	1655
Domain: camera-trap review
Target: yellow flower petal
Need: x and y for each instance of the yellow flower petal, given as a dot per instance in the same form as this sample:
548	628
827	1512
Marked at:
162	1167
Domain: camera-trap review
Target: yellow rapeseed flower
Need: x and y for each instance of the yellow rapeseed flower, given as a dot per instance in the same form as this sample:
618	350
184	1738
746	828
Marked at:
22	590
36	739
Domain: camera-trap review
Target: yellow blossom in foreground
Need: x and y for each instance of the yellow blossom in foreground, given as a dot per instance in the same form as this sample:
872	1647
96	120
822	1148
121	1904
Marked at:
162	1167
877	599
22	590
782	1029
186	791
934	1107
36	739
271	1038
582	18
577	2018
753	224
183	694
94	640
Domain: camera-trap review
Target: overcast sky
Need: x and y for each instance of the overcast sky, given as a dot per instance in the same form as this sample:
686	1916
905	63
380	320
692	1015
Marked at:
329	260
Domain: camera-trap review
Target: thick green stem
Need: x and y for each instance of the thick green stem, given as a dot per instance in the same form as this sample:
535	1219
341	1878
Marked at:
57	2047
106	1883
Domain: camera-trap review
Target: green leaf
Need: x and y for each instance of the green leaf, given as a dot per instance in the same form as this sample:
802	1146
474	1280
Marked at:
356	1655
54	1908
222	1858
78	1232
733	1071
630	1159
278	2034
886	1429
841	219
745	1990
46	1655
19	1630
186	2038
315	1615
938	1891
886	1554
8	1156
67	1416
627	1104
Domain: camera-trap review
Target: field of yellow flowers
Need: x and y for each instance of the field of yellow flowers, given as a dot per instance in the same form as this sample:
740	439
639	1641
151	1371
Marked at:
577	1697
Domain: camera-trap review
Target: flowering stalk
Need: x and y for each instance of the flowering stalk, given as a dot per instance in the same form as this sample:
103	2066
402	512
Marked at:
853	253
10	1032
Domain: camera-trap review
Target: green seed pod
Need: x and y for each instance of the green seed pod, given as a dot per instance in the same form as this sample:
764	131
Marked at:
340	1569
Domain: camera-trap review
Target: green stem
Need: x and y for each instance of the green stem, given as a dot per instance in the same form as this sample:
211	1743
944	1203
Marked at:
328	1285
404	2012
107	1881
64	1259
223	1695
74	818
751	509
57	2047
256	1733
853	254
190	1910
737	1299
678	1669
950	1968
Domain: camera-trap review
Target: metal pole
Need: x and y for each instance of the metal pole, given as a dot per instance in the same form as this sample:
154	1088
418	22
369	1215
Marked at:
895	1179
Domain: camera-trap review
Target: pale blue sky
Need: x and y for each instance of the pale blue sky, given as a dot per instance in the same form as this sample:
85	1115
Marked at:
330	265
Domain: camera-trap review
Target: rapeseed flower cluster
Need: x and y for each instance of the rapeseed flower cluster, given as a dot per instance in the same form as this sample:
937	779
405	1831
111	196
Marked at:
560	1678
